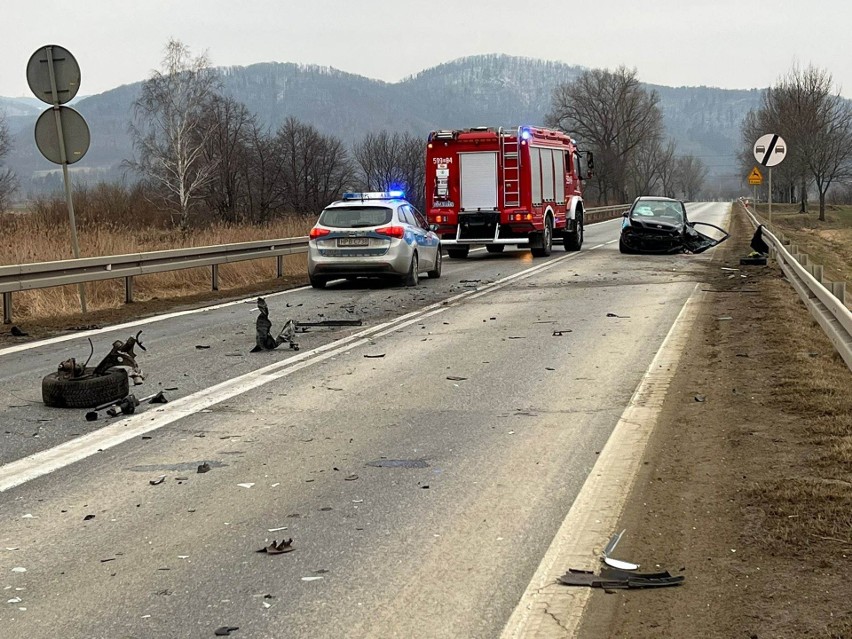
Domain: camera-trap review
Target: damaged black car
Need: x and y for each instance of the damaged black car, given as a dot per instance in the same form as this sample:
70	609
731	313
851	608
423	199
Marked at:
659	225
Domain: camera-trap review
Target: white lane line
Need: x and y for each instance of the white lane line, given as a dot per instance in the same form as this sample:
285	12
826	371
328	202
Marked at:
548	610
28	468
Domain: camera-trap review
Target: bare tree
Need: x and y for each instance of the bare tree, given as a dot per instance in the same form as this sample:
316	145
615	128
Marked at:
612	113
263	174
170	130
315	167
8	182
816	123
651	168
226	151
690	173
392	161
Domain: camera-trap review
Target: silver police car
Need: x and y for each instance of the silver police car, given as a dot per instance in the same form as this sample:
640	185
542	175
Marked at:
377	234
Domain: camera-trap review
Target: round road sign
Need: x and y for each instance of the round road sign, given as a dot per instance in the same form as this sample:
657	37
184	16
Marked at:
770	149
66	72
75	132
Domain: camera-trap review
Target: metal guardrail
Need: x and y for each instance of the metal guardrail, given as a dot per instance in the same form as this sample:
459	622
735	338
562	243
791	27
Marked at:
827	308
26	277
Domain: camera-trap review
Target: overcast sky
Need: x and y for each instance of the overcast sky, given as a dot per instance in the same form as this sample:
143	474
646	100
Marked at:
724	43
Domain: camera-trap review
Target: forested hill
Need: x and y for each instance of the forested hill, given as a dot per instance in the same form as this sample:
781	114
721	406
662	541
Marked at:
490	90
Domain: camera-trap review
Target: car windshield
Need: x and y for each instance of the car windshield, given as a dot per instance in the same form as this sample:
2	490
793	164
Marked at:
657	209
353	217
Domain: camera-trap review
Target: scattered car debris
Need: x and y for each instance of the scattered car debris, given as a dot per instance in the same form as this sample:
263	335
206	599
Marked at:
614	578
158	481
351	477
562	332
304	327
125	406
455	378
17	332
700	398
264	341
374	355
203	468
618	316
616	563
246	485
201	347
88	517
225	631
278	547
76	385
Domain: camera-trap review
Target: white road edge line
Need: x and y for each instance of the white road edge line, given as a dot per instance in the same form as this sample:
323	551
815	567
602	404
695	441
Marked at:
44	462
547	609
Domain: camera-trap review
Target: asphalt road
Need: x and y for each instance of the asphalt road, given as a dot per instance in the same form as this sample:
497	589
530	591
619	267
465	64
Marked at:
419	505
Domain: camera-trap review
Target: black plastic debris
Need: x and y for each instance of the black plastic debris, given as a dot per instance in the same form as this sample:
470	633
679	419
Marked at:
613	578
455	378
374	355
17	332
225	631
263	340
562	332
88	517
618	316
203	468
278	548
201	347
758	244
158	481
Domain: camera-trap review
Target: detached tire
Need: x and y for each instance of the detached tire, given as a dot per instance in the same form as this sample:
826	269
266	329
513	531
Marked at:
88	392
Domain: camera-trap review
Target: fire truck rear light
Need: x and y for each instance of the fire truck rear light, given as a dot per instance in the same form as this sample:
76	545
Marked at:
528	218
315	233
392	231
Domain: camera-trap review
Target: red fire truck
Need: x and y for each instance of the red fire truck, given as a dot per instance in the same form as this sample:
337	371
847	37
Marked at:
505	187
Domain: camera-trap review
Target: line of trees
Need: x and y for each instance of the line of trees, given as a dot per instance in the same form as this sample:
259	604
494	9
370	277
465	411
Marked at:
805	109
614	116
8	182
199	152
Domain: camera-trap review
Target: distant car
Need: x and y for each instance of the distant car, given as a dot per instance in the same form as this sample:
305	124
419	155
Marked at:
660	225
378	234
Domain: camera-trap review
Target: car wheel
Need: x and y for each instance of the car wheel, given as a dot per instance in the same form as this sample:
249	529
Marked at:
458	252
87	392
435	273
413	276
317	281
543	242
623	248
573	241
495	248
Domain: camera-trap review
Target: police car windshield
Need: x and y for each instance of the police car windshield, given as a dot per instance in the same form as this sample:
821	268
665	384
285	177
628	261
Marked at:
354	217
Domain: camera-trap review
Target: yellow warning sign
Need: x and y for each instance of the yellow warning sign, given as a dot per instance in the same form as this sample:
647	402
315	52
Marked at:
755	177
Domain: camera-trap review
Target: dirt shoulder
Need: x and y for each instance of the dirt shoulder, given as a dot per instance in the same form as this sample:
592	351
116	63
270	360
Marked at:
748	493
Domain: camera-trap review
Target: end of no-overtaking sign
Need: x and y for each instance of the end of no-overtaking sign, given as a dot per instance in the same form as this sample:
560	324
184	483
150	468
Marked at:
770	149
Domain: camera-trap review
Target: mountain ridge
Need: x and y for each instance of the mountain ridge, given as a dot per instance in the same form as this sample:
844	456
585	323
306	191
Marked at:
491	89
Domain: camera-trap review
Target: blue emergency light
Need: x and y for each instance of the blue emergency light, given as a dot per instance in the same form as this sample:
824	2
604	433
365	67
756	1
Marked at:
375	195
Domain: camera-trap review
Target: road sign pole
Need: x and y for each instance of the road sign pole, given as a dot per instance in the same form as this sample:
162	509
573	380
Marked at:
770	198
75	247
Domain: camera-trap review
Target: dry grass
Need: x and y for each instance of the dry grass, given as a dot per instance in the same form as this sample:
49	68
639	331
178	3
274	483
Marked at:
43	235
808	503
828	243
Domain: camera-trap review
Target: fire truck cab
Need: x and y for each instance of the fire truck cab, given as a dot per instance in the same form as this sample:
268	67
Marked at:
496	187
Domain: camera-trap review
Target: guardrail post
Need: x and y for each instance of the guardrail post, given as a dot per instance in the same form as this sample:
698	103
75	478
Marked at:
794	248
279	266
215	269
128	289
817	272
838	289
7	308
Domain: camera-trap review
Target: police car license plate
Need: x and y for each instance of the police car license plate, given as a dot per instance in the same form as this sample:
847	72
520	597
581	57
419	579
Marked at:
353	241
